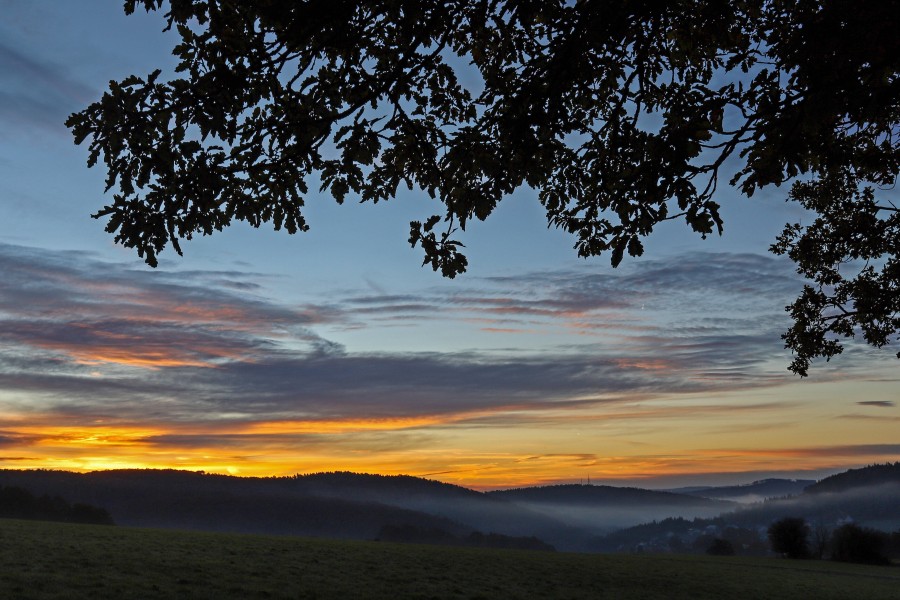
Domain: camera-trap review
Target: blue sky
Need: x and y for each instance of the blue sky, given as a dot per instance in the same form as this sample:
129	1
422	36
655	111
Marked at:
263	353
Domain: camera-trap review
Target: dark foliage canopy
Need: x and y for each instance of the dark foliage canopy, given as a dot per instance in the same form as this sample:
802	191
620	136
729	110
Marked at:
790	537
869	476
622	114
852	543
19	503
720	547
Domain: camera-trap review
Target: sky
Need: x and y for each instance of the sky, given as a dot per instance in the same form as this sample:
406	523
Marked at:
258	353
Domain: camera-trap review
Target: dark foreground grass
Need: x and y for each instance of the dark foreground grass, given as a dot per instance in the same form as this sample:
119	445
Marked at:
48	560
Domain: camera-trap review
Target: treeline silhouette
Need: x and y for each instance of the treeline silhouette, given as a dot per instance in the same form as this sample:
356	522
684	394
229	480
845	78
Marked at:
852	543
404	508
686	536
19	503
793	537
871	475
860	498
599	495
336	505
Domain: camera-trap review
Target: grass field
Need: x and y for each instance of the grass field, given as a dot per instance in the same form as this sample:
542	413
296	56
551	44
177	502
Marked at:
49	560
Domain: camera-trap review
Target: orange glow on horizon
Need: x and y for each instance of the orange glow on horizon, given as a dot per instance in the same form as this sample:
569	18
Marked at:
343	425
77	448
480	449
83	453
98	435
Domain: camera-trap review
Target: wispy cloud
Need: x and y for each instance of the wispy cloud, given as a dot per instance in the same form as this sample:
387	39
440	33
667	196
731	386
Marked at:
215	340
878	403
100	357
37	92
704	295
80	311
872	452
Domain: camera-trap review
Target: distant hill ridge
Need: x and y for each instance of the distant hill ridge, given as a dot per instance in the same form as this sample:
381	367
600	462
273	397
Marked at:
342	481
869	496
193	500
336	504
320	483
598	495
355	505
343	504
760	489
855	478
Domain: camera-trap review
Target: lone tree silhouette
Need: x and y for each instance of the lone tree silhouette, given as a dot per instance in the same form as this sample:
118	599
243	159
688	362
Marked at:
790	537
620	114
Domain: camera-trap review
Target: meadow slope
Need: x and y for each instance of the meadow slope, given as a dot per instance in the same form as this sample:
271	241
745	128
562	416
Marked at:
51	560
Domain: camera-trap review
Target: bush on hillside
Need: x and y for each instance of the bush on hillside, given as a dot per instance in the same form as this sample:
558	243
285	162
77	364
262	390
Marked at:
789	537
720	547
852	543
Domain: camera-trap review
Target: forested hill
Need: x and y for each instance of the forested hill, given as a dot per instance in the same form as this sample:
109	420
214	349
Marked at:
19	503
339	483
873	475
750	492
343	505
869	497
352	505
600	495
189	500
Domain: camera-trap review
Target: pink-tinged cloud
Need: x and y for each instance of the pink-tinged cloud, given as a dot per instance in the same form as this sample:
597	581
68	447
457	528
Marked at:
97	313
222	368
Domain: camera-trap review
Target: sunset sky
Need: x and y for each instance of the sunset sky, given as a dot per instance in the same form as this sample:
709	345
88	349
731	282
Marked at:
261	353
